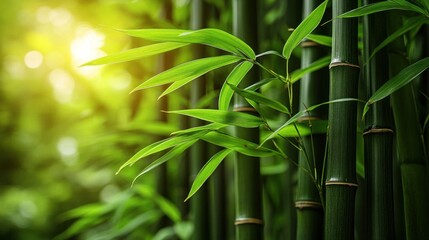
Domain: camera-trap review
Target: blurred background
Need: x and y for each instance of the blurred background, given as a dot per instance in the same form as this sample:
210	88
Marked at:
65	130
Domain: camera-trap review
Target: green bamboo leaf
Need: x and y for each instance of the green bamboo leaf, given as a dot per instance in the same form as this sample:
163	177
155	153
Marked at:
224	117
302	129
136	53
410	24
239	145
207	171
314	66
174	86
234	78
208	127
259	84
173	153
320	39
296	117
303	29
260	99
404	77
160	146
382	6
208	36
167	207
188	71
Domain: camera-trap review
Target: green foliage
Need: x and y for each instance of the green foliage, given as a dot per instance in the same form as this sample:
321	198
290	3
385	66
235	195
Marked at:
304	29
211	37
400	80
208	170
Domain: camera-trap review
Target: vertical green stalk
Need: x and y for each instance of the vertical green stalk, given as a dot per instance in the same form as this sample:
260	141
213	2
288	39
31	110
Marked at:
314	90
410	148
247	169
378	135
198	151
341	163
292	19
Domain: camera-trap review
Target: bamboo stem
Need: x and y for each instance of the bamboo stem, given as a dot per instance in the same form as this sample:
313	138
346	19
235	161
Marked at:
248	222
341	163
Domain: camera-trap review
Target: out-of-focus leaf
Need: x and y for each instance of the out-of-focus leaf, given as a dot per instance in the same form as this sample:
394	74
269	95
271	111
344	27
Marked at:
382	6
225	117
274	169
303	29
239	145
409	24
188	71
404	77
320	39
261	99
167	207
130	226
234	78
136	53
314	66
208	36
207	171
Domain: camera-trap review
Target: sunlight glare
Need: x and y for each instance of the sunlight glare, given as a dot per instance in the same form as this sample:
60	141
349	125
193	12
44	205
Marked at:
67	147
85	47
63	85
33	59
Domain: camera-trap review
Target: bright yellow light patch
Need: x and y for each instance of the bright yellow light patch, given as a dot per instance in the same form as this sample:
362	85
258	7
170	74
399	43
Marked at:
33	59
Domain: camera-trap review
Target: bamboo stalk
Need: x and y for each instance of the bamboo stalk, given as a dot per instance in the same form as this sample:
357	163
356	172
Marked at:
378	135
410	148
341	163
248	222
314	90
292	19
198	151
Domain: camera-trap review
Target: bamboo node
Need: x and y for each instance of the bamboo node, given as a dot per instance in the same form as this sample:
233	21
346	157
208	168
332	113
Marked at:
307	118
340	183
308	204
378	130
309	43
339	63
245	109
240	221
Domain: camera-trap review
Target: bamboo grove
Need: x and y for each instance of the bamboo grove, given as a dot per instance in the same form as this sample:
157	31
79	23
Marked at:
310	127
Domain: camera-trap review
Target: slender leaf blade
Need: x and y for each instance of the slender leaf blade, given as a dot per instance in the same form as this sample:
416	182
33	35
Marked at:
136	53
234	78
260	99
207	171
303	29
320	39
302	113
410	24
160	146
208	36
239	145
379	7
224	117
210	127
314	66
174	152
188	71
401	79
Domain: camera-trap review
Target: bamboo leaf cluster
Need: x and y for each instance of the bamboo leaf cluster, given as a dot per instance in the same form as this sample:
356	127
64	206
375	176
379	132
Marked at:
327	140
